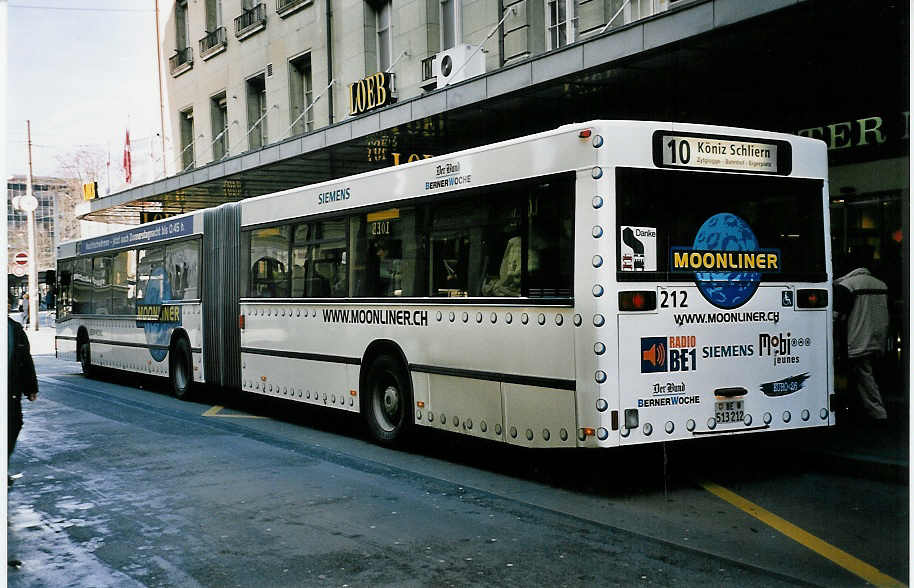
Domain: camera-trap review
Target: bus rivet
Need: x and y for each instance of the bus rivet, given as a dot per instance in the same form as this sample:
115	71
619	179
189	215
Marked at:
690	425
529	435
577	320
559	319
524	318
514	432
647	429
804	415
602	434
451	316
786	416
597	141
597	261
546	434
712	423
438	316
469	424
747	420
541	319
494	318
483	426
597	231
599	348
602	405
823	414
508	318
431	417
597	201
669	427
596	173
563	435
498	429
598	320
418	415
598	290
600	376
466	317
478	317
443	419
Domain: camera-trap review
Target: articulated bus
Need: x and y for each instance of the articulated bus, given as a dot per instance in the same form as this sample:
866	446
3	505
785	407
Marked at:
607	283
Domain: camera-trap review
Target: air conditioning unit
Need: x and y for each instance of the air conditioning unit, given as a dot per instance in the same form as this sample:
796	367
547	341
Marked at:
455	64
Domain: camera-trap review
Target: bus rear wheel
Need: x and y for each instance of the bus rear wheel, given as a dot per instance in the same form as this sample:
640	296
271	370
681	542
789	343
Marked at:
388	406
85	359
180	370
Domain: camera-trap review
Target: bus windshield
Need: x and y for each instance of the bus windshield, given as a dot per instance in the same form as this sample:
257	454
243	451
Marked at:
782	214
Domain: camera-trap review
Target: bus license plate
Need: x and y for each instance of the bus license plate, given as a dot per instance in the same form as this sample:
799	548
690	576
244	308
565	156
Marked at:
729	411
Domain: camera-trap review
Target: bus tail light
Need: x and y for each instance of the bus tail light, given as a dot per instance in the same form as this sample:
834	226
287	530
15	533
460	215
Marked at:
584	134
811	298
241	321
638	300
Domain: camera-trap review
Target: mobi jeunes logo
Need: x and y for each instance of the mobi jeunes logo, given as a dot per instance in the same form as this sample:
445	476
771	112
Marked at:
727	261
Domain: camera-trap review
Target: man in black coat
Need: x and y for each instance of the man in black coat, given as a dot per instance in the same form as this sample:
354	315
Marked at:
20	378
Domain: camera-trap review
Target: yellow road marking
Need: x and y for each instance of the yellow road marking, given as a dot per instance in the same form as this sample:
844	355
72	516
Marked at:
216	410
826	550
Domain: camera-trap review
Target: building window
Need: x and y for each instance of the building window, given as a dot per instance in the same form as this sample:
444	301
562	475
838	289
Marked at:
449	19
181	25
301	95
257	111
219	115
384	36
560	23
187	138
213	15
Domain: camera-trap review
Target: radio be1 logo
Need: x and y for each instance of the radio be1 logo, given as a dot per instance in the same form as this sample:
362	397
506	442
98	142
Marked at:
668	354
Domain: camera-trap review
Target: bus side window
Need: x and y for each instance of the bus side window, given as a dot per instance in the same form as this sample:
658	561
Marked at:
269	250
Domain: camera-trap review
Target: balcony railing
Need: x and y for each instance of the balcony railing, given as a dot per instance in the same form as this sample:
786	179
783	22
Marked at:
213	43
181	61
251	21
428	80
286	7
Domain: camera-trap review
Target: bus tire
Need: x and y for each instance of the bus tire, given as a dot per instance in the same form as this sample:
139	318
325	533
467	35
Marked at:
85	358
388	407
180	369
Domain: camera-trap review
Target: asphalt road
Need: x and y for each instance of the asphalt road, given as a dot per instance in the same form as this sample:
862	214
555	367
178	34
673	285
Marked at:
124	486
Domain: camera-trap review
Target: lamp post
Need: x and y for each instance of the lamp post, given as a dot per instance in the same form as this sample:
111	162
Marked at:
29	203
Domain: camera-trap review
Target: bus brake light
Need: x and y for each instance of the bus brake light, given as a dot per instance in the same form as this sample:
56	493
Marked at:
241	321
812	298
638	300
585	134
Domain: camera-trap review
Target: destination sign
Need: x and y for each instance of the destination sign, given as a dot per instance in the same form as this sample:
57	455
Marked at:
139	236
721	153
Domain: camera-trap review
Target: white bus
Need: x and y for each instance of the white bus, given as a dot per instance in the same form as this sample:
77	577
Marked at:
604	284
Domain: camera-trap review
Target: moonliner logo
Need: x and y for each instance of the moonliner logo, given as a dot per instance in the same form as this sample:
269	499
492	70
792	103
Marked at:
727	261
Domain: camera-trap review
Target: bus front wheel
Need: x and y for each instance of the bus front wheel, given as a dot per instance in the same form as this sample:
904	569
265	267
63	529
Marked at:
388	406
180	372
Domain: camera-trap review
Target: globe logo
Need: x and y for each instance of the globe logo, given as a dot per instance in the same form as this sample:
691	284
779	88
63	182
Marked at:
733	288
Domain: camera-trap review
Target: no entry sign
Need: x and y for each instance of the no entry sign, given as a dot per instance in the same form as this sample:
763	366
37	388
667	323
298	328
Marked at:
21	258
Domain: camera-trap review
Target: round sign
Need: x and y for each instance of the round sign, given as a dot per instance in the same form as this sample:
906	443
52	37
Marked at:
19	270
28	203
21	258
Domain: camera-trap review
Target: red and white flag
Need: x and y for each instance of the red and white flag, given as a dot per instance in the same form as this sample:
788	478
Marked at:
128	172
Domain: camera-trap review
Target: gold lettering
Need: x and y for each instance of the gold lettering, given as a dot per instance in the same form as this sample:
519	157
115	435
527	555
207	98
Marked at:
838	132
708	260
396	158
412	158
722	260
812	133
772	261
695	260
864	129
369	84
759	260
351	99
382	90
750	261
360	104
680	259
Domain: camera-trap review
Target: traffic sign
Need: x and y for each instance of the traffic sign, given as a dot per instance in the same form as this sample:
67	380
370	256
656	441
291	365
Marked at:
19	270
21	258
28	203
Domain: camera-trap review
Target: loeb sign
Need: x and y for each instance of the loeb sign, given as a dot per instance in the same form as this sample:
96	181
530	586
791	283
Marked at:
372	92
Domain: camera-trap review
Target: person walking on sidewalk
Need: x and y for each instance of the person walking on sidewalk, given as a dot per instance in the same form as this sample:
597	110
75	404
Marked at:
20	379
864	300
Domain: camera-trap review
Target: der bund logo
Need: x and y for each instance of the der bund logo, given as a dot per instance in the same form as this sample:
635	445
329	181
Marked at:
727	261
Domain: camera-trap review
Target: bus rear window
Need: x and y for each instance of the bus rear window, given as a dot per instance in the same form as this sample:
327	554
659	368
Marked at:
662	214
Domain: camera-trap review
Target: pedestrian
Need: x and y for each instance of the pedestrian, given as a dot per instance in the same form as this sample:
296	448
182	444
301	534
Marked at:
25	309
863	300
20	380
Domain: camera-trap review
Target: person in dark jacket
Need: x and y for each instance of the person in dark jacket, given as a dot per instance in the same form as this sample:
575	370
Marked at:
20	378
